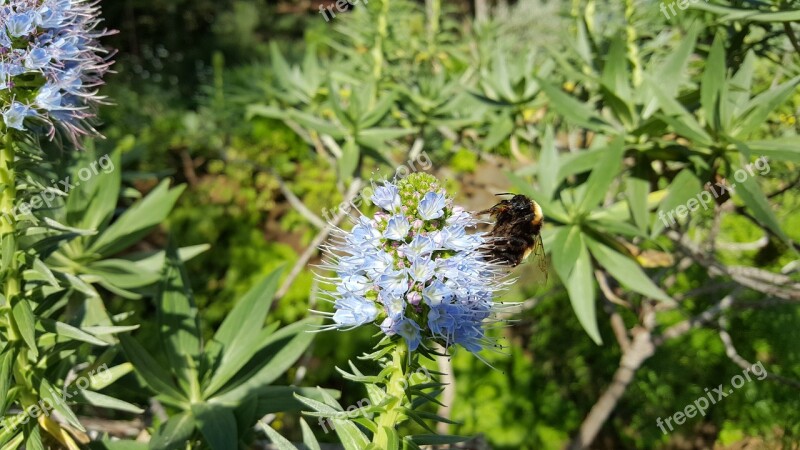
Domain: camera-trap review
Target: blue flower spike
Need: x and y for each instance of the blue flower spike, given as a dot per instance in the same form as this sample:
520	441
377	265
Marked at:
414	270
57	40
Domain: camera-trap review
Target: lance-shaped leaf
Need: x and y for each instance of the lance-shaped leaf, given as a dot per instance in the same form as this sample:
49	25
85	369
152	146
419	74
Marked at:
177	319
137	221
626	271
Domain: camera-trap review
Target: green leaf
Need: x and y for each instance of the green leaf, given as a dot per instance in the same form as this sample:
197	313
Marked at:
118	445
280	442
677	116
308	436
579	162
23	317
637	188
548	167
749	15
376	138
602	175
34	439
580	287
91	206
349	434
70	333
48	393
374	115
685	186
6	363
174	434
436	439
280	67
122	273
626	271
673	70
568	241
759	108
270	112
741	84
615	71
757	202
104	401
501	128
780	149
712	82
177	319
217	424
573	110
109	375
316	124
348	163
277	354
158	379
137	221
234	336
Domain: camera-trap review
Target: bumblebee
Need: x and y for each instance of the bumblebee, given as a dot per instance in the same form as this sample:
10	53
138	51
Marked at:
516	231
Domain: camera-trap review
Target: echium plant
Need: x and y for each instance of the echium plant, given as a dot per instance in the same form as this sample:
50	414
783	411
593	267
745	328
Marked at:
417	271
50	67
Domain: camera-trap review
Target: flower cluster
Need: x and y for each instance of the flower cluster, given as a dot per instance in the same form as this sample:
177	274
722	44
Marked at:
50	64
413	269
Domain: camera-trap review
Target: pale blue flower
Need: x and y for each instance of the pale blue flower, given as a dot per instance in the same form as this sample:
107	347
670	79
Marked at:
5	41
435	293
50	16
397	228
419	246
410	331
387	197
15	115
37	58
49	97
20	24
422	269
394	282
352	312
431	206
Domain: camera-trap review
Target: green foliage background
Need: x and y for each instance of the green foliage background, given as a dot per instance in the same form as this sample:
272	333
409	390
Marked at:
232	98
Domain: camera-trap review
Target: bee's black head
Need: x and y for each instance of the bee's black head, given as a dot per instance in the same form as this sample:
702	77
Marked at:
521	203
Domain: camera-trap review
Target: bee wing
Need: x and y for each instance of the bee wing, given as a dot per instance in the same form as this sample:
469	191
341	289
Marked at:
539	254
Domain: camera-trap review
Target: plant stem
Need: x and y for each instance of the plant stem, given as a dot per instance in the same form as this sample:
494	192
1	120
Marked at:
8	198
633	49
380	37
395	390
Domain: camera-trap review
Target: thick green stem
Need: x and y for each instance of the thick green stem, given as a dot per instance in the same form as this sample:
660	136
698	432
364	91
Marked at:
434	10
396	391
380	37
633	49
11	276
8	198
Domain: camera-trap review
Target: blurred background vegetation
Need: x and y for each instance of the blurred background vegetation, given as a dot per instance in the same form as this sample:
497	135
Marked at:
234	98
